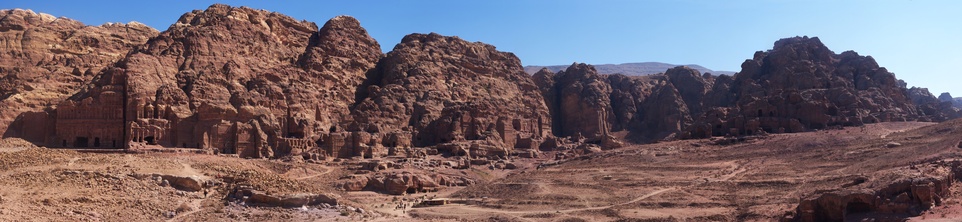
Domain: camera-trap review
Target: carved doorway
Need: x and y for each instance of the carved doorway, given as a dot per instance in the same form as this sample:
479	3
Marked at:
81	142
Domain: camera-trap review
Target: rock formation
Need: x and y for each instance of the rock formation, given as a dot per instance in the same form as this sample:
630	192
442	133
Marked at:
586	104
260	84
580	99
232	80
801	85
441	90
628	69
46	59
901	196
946	97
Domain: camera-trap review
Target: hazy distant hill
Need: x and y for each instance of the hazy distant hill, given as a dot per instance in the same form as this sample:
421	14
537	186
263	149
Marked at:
631	69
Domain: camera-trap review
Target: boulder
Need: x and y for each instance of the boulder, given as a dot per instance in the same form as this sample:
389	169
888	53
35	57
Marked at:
185	183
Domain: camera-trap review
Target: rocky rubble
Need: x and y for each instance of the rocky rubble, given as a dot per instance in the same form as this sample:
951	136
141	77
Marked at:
398	183
907	196
249	196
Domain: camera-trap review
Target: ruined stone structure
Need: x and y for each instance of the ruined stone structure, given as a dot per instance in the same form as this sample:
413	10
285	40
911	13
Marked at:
95	122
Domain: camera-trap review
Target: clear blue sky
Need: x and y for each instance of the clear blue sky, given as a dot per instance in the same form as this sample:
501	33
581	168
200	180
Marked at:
919	40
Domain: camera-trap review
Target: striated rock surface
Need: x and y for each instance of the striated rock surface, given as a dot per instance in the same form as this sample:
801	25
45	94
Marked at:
441	89
580	99
587	105
45	59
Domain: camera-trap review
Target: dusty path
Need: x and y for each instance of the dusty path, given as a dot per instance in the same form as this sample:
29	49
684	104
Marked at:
194	206
327	170
646	196
736	169
488	210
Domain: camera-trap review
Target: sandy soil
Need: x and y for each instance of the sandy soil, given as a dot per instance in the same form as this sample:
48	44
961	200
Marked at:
760	179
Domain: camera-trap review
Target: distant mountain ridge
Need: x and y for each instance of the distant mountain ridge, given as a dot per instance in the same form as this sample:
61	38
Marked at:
631	69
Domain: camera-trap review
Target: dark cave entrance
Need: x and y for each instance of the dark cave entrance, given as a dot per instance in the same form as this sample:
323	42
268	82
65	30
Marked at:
298	135
857	207
150	140
81	142
96	141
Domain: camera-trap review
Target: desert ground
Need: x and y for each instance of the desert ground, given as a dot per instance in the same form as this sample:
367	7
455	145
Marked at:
759	178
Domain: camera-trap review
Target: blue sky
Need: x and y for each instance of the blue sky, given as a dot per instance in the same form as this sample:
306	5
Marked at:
919	40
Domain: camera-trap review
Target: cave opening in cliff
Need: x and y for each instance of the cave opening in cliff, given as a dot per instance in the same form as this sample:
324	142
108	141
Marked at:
298	135
96	141
81	142
857	207
150	140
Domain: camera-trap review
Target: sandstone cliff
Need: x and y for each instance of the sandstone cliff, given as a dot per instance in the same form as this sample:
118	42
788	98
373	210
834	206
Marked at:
45	59
442	89
260	84
234	80
797	86
801	85
587	105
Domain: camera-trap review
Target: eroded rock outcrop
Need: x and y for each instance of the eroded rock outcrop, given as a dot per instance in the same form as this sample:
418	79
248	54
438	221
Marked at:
441	89
226	79
801	85
908	196
45	59
398	183
587	105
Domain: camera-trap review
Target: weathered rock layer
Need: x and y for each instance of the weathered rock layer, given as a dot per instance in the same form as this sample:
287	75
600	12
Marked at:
45	59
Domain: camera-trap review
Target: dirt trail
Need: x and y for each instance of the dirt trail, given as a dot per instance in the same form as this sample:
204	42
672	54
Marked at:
736	169
327	170
194	206
479	209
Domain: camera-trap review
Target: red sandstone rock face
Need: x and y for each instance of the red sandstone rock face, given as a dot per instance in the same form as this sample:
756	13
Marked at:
586	104
582	103
800	85
933	109
261	84
45	59
443	89
234	80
